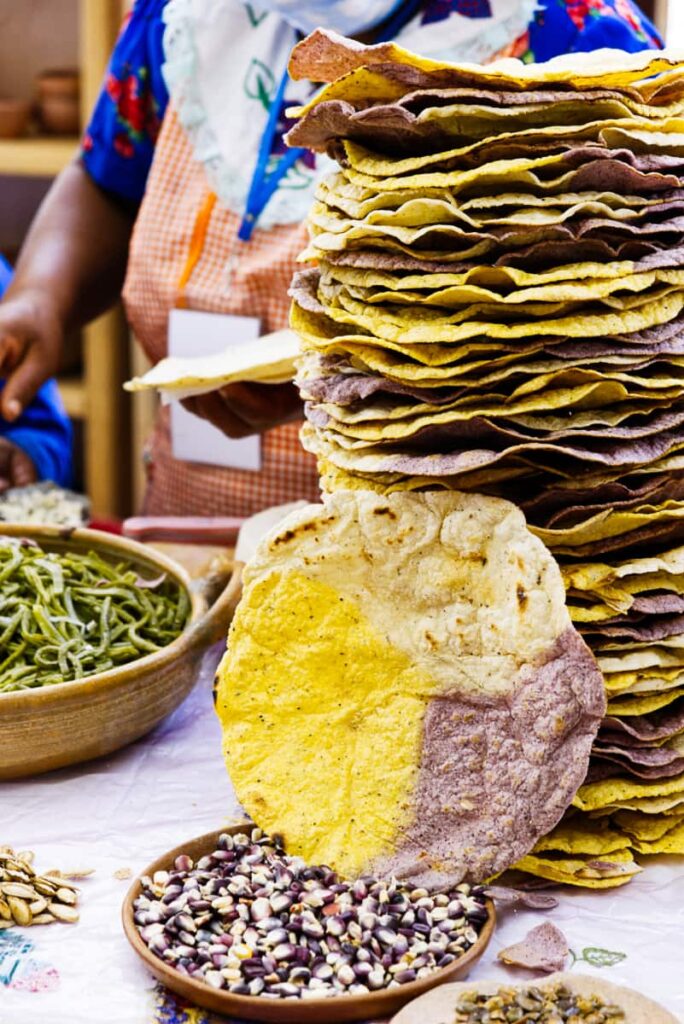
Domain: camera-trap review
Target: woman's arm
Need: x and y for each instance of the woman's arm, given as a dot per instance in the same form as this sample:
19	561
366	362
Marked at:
71	269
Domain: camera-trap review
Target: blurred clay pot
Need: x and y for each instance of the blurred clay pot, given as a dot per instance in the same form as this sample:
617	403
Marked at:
58	101
14	116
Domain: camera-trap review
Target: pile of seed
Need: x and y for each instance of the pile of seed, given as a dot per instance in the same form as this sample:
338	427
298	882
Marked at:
28	898
535	1006
251	920
43	503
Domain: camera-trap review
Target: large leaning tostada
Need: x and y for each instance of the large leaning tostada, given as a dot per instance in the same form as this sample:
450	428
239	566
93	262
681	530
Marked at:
403	691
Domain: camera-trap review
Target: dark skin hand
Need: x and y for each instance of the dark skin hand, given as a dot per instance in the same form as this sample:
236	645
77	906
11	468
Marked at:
16	467
240	410
70	270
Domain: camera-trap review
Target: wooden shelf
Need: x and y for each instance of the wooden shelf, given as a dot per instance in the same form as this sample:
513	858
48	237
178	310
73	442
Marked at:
36	158
73	392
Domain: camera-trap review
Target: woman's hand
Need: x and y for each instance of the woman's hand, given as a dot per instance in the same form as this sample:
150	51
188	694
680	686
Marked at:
70	270
240	410
16	467
31	338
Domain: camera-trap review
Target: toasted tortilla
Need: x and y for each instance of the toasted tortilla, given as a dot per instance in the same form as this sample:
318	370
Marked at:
269	360
608	871
358	70
544	948
438	1006
440	616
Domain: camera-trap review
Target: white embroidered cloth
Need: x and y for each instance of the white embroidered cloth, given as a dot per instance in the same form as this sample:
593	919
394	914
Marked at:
225	59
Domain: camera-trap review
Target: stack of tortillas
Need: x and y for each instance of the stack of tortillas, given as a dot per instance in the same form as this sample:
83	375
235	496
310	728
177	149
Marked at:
497	306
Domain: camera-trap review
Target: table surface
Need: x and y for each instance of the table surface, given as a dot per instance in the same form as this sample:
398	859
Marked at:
121	812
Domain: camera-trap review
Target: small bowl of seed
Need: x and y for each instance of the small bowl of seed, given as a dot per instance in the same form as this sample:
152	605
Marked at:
233	924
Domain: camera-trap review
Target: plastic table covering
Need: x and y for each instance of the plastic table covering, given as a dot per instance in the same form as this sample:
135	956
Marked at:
123	811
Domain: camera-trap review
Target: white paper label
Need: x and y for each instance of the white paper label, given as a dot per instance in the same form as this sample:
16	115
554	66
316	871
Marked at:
193	333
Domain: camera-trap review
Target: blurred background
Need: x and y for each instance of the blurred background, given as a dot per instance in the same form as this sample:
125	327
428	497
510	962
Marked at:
52	57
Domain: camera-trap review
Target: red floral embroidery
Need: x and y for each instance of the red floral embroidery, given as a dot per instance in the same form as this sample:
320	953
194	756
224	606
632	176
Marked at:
87	143
113	87
135	105
131	105
625	10
580	10
123	145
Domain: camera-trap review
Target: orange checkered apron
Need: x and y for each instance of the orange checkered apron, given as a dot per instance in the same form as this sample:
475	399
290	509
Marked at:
180	221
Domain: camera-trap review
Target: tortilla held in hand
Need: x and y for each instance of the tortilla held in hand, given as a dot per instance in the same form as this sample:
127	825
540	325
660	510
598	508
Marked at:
268	360
466	1002
403	692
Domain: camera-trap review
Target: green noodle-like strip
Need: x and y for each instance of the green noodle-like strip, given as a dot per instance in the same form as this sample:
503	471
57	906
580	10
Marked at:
67	616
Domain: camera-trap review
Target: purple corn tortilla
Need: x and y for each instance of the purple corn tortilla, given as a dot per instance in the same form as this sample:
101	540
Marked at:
539	507
422	457
545	948
647	757
611	767
644	728
659	604
652	629
671	489
535	257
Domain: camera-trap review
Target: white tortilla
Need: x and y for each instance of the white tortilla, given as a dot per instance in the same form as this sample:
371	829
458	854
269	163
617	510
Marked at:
269	360
437	1006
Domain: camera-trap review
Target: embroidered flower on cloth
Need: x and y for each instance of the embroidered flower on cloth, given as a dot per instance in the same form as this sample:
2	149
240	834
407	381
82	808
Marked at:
136	109
438	10
20	970
626	10
581	12
172	1009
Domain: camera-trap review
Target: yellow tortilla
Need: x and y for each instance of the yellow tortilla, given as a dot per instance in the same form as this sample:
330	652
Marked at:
268	360
620	867
611	792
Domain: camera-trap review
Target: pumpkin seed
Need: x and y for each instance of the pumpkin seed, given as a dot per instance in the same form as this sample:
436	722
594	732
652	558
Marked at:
68	914
24	892
20	910
27	898
66	896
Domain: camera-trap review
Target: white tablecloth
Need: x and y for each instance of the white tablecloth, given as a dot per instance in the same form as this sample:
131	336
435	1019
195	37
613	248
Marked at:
125	810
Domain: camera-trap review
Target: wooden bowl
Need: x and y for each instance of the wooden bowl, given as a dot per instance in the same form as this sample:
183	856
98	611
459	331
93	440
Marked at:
14	116
71	722
374	1006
